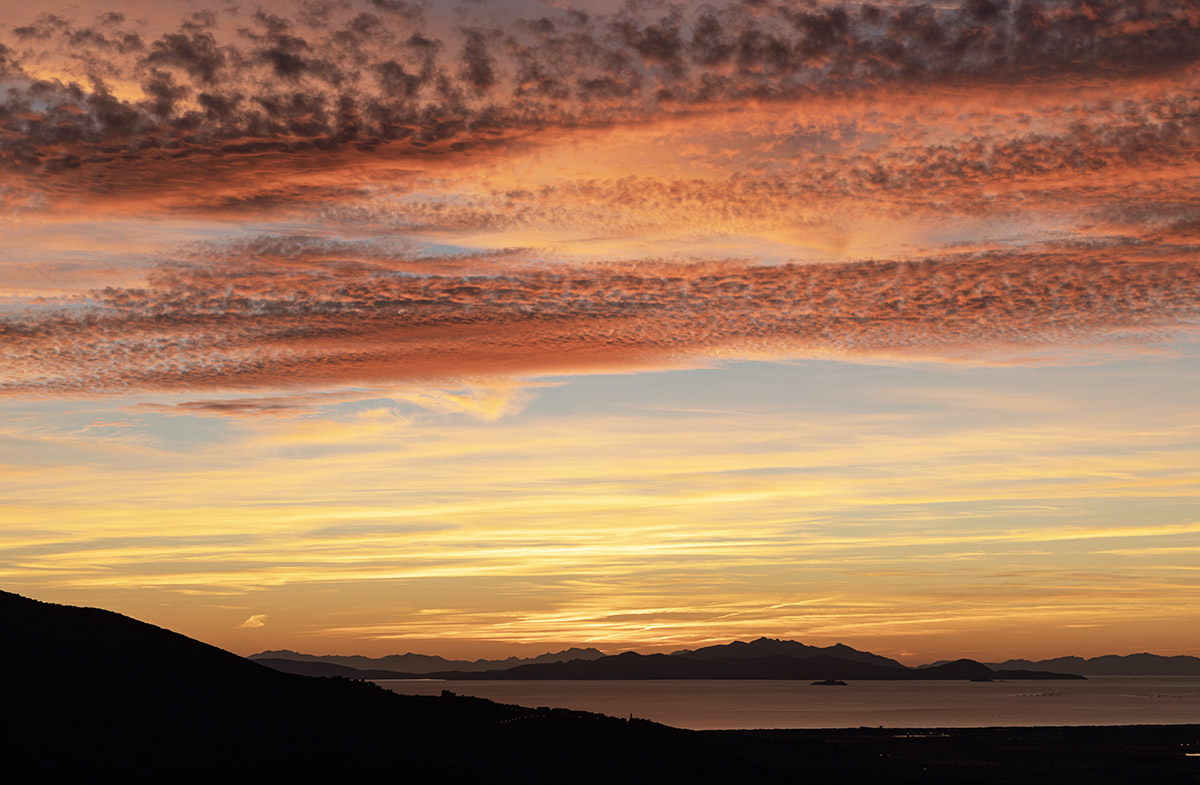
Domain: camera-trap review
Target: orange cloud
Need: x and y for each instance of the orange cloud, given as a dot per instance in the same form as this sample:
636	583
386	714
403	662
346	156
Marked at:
347	238
265	322
254	622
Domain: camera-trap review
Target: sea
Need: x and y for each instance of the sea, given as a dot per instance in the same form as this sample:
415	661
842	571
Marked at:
744	704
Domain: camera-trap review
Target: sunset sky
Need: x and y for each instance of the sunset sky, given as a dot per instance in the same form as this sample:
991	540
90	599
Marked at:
490	328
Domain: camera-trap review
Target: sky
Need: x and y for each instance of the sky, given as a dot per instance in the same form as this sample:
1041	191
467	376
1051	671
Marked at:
374	326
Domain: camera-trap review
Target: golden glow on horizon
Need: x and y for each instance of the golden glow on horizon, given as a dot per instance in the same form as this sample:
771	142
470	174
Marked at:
593	343
629	537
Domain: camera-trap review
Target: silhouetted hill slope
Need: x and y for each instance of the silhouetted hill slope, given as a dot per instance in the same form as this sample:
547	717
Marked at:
632	665
329	670
426	663
93	696
770	647
1115	665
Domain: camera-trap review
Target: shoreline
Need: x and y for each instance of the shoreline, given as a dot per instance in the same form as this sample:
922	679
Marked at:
1002	755
704	705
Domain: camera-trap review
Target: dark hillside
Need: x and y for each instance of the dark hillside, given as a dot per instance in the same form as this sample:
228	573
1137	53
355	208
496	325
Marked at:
91	692
328	669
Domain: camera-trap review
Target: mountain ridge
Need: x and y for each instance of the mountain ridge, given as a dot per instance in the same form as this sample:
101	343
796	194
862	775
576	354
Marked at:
765	647
412	665
633	666
1140	664
411	662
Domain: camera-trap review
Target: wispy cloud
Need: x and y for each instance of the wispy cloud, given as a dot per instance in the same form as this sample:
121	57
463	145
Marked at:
254	622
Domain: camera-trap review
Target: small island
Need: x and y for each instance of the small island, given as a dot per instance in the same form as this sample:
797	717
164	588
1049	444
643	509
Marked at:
829	683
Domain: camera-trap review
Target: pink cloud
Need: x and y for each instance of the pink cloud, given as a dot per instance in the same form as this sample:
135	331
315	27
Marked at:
267	323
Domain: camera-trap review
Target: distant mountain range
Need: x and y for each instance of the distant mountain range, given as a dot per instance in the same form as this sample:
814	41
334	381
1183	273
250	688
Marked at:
632	665
425	663
765	658
1114	665
773	657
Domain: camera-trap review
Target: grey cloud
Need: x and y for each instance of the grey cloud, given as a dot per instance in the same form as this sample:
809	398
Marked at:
347	77
478	66
196	52
409	11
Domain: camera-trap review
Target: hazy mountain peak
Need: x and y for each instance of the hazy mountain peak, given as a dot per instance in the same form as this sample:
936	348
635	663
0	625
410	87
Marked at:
411	662
764	646
1140	664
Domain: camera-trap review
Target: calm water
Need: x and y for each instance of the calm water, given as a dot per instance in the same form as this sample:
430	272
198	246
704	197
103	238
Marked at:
1101	700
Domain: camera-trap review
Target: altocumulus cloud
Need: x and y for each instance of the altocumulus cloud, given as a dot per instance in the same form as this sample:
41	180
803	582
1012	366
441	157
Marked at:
1077	123
312	82
251	323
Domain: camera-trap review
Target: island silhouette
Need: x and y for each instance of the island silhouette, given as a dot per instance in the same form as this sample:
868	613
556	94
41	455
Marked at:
764	658
410	665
